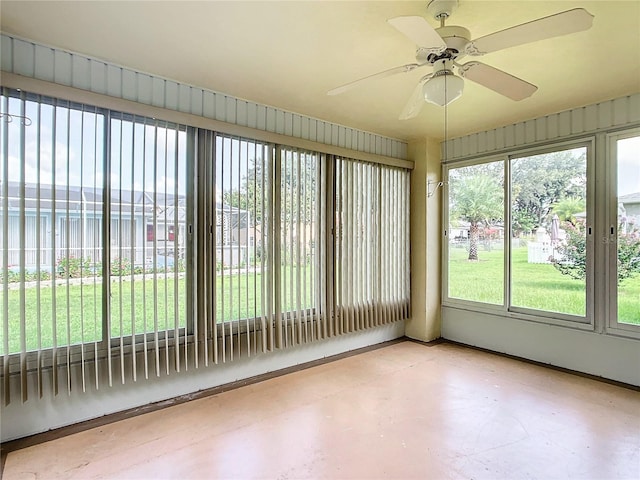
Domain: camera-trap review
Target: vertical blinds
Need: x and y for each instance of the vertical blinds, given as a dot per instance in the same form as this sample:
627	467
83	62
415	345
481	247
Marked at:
93	243
302	253
265	241
371	245
133	247
145	220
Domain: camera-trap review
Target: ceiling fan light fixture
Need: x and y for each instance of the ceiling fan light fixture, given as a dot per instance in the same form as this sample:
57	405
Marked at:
443	88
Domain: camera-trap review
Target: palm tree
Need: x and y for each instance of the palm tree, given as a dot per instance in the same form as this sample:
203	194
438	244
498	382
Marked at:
476	199
567	207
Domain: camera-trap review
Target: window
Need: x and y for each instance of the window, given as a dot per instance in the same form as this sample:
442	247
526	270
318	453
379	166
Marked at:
57	204
301	217
572	256
51	178
545	270
476	233
624	232
137	247
147	186
266	282
243	209
549	231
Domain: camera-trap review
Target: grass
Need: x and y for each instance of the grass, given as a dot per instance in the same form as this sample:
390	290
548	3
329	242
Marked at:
240	295
78	312
535	286
481	281
541	286
145	306
629	301
140	306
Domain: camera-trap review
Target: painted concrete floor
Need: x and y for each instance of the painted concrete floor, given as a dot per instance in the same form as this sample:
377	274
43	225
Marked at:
403	411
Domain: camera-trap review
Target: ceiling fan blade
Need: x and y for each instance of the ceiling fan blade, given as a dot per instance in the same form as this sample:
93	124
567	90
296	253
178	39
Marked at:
419	31
415	102
497	80
387	73
563	23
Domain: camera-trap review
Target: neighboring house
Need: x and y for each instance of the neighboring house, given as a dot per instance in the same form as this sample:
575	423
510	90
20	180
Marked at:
581	217
459	232
630	210
69	222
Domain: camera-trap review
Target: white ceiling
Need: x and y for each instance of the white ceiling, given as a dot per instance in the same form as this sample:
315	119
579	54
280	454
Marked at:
289	54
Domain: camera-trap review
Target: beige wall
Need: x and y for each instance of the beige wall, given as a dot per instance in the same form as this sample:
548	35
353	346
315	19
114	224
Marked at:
426	229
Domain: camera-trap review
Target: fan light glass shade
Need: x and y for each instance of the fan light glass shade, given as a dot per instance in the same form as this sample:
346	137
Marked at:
443	89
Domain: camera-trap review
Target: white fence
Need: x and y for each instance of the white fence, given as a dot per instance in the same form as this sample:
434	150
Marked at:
543	253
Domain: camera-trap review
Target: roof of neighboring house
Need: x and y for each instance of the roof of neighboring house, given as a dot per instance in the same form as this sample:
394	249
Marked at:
73	198
75	195
238	217
630	198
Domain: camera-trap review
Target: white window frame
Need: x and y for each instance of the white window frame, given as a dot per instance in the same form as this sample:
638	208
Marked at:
506	309
558	317
610	237
460	302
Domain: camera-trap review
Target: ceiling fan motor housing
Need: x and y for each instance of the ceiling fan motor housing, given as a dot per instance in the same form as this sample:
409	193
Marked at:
455	37
439	9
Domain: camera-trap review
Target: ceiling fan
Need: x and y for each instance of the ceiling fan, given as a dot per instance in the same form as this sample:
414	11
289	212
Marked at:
442	48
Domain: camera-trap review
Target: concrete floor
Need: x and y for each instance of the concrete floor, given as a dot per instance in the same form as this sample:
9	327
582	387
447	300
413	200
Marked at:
403	411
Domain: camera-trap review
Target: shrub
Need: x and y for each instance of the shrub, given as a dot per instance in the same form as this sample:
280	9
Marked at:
574	252
628	256
120	266
72	267
12	276
96	269
31	276
182	266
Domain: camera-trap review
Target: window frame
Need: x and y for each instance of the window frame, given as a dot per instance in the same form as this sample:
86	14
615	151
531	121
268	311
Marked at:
587	322
108	345
563	318
609	240
460	302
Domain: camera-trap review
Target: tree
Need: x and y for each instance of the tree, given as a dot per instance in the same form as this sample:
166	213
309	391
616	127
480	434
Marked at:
250	196
476	199
298	190
541	181
567	207
523	221
628	256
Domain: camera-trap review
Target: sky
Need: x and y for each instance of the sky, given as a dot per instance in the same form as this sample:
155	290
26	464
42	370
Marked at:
628	166
71	151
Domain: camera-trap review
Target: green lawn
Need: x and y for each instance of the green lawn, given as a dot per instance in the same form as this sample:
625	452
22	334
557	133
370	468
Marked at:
239	295
133	308
481	281
536	286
